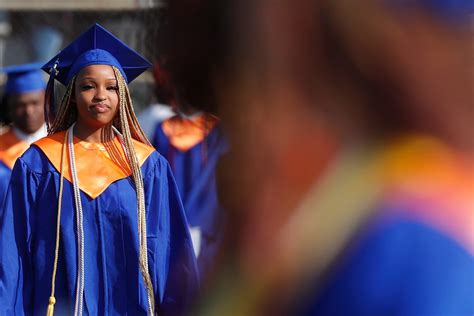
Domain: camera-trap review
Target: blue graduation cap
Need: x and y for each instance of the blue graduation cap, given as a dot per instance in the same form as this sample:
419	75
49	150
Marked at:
24	78
96	46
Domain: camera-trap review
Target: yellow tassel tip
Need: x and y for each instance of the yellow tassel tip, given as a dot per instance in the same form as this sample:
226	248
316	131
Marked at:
50	311
52	300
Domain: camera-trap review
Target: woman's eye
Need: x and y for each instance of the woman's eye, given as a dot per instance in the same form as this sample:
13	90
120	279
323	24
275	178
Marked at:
112	88
87	87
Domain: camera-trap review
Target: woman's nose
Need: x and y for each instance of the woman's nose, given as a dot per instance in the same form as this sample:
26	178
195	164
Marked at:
100	94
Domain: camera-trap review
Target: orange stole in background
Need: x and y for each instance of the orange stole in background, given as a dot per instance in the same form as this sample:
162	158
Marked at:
11	148
434	182
185	133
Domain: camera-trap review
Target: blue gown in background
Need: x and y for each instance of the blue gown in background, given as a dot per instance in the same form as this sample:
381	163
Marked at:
5	173
195	172
415	256
11	147
113	283
399	267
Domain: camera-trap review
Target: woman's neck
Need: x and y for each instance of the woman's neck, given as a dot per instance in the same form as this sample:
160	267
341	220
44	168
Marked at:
89	134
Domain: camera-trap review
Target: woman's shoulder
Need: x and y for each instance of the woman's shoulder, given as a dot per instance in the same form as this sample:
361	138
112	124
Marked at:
151	161
51	144
145	153
35	160
37	157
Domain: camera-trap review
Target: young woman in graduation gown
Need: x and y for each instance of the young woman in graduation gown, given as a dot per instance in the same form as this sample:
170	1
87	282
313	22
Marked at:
93	222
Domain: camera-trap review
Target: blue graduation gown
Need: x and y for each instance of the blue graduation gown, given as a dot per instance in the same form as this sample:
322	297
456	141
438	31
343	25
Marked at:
195	174
11	147
399	267
113	283
5	173
415	255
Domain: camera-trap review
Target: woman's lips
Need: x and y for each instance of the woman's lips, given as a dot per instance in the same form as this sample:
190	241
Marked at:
99	108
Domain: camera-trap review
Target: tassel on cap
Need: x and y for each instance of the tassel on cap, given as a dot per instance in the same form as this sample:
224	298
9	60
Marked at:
49	102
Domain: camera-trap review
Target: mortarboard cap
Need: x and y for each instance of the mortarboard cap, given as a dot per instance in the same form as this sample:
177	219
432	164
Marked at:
24	78
96	46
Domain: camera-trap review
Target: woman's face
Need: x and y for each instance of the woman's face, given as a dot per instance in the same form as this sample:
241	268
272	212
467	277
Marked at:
96	95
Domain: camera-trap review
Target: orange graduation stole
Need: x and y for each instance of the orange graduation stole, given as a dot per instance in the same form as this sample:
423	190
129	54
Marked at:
11	147
97	165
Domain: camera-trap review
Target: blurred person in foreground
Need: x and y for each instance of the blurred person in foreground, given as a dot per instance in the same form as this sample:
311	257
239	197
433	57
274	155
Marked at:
22	114
350	176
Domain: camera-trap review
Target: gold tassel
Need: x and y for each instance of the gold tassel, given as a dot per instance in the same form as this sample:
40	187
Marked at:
52	299
50	311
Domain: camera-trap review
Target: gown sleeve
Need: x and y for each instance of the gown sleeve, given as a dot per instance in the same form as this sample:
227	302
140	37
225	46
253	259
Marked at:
401	269
172	262
4	180
16	273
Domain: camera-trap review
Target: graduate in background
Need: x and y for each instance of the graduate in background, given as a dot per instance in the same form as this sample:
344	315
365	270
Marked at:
193	143
22	113
193	140
93	223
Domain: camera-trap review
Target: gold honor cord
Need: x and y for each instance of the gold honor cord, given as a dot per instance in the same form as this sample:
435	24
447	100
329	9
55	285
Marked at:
52	299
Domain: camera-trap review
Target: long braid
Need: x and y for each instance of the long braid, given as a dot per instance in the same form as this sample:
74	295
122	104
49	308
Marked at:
67	113
137	131
129	132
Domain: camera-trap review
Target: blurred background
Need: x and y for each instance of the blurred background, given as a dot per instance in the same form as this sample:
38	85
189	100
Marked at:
351	129
34	31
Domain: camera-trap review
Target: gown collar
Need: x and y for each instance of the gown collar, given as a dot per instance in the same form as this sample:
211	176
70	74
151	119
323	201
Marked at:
98	165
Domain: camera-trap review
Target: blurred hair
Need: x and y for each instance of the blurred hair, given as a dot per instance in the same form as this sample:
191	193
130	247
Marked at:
164	88
194	38
4	109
